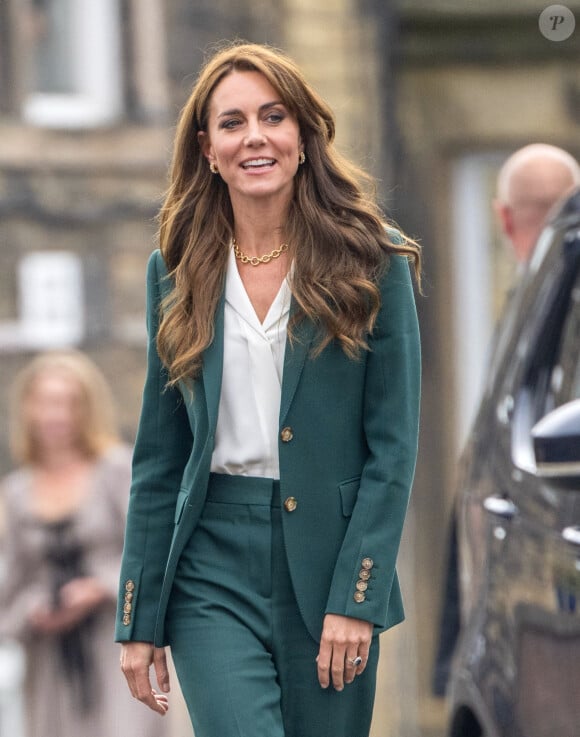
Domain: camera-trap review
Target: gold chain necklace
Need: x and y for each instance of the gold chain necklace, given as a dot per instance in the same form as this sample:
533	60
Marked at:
257	260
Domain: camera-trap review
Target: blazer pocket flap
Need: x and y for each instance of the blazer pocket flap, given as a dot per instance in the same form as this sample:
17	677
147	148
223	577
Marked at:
348	494
181	499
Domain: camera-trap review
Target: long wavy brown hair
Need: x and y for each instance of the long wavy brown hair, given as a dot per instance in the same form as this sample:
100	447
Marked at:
337	234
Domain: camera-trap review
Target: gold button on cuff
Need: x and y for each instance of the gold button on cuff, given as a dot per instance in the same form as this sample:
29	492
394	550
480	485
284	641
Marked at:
126	619
359	597
364	575
129	586
286	434
128	596
128	608
362	585
367	563
290	504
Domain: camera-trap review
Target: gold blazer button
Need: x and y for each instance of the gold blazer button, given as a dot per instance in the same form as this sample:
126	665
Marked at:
290	504
126	620
362	585
286	434
367	563
359	597
129	586
364	575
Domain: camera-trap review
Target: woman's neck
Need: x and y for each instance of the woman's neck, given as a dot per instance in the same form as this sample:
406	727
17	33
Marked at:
258	229
61	460
61	483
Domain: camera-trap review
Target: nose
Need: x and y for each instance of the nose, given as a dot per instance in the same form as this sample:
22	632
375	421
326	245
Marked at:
254	135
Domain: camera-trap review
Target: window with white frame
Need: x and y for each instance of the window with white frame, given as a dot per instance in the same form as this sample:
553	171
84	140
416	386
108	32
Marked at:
51	303
74	77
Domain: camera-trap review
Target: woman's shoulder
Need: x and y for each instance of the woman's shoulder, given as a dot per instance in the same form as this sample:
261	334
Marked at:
156	263
158	279
117	457
16	477
397	261
113	476
15	487
394	235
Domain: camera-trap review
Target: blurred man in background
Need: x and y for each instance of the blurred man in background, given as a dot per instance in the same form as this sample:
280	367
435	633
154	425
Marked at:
530	184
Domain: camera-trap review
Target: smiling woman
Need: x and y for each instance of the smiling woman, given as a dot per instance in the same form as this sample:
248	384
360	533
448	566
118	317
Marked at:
278	433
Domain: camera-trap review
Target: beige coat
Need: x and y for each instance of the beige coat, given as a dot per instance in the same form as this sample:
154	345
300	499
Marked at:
99	525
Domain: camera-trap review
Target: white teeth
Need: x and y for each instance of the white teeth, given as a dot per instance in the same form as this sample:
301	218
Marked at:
257	162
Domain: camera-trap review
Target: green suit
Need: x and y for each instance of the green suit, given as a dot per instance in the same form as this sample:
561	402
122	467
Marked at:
347	450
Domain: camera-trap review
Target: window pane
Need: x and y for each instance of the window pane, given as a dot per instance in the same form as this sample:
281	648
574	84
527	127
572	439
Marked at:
565	377
75	63
53	48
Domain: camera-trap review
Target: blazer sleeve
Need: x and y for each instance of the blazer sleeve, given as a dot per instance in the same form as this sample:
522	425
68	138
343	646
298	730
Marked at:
114	481
364	583
162	448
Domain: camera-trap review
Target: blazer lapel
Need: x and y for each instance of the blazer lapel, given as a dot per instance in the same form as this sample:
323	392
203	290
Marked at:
212	370
294	359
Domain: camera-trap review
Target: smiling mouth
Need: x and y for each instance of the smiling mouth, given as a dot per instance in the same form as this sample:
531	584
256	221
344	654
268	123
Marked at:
258	163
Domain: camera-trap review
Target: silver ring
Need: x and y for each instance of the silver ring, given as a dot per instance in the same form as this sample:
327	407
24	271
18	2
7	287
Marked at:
355	662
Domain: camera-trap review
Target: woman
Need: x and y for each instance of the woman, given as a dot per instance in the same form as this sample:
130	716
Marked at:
278	432
64	512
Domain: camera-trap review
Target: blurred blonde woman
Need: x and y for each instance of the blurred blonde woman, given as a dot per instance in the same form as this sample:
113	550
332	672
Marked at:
63	535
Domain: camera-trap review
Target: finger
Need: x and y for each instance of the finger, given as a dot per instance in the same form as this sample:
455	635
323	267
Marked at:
337	667
352	663
150	697
363	652
161	669
161	701
323	664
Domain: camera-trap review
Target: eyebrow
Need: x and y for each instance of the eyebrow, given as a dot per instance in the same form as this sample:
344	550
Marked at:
265	106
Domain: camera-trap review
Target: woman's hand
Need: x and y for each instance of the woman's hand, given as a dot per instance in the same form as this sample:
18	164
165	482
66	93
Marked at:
54	621
77	599
83	595
136	659
343	639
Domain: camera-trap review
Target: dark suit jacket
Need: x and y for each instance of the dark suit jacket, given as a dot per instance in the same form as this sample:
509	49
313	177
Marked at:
347	447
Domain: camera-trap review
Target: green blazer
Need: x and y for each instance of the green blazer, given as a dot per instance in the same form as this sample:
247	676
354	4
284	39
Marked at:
347	448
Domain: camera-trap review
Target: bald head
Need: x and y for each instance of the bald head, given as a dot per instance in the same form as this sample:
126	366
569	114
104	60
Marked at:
529	184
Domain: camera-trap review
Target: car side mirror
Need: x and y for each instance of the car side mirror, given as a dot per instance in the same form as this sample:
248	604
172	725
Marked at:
556	440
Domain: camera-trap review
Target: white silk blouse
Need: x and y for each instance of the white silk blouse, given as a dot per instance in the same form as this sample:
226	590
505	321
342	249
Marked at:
246	440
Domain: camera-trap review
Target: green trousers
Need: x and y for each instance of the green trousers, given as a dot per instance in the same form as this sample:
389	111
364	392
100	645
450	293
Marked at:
245	661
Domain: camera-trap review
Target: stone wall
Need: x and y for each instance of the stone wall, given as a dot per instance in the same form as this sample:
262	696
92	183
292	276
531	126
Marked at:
95	196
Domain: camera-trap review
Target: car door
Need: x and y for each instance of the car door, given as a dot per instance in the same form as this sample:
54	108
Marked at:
547	627
521	641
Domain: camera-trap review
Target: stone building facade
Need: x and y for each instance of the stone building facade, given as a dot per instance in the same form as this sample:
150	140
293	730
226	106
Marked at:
429	96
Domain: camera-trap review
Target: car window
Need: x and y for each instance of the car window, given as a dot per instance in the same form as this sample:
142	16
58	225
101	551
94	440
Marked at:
549	345
565	373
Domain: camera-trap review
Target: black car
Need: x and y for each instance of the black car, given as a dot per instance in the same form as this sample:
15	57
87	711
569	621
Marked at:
516	670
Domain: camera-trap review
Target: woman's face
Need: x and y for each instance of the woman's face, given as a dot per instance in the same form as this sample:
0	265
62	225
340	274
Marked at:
252	139
54	409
